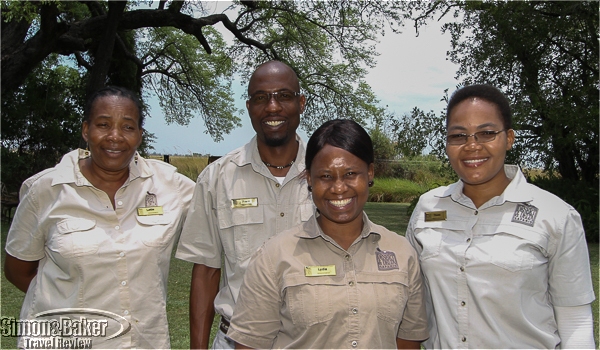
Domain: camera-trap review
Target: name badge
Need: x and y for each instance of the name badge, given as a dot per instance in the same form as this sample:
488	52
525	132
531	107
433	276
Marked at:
435	215
314	271
147	211
244	202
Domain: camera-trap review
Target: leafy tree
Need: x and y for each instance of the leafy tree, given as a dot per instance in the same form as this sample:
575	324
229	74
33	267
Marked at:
418	131
173	49
179	56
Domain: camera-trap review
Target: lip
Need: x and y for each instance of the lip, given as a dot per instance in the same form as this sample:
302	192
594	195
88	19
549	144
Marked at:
475	162
273	122
344	202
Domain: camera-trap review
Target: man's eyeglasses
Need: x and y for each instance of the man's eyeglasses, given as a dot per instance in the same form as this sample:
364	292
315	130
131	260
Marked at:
480	136
261	98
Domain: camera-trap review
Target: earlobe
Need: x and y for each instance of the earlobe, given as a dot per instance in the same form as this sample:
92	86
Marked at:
510	138
84	131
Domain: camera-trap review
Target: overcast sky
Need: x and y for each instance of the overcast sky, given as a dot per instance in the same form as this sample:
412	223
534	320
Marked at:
411	72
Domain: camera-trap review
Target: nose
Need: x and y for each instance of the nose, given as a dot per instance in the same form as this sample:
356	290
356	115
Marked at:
339	186
472	143
115	135
273	104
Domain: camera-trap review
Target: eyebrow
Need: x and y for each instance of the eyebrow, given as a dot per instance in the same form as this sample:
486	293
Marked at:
479	127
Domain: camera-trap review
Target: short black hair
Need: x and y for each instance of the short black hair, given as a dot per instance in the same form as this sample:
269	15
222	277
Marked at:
342	133
485	92
114	91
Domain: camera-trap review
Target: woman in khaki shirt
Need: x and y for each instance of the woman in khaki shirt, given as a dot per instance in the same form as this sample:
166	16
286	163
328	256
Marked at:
92	237
338	280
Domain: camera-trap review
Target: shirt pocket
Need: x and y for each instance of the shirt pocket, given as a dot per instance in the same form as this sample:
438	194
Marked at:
311	300
517	251
246	231
430	235
75	237
156	230
390	292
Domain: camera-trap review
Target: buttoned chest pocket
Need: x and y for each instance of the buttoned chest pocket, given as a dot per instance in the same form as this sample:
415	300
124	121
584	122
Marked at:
75	237
243	231
389	291
430	235
311	300
515	251
156	230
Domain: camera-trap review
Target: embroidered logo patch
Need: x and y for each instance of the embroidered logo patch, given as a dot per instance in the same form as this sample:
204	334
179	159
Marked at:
525	214
386	260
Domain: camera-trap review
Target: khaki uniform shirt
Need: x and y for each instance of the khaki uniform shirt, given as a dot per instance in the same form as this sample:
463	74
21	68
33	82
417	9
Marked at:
365	297
237	205
93	256
495	272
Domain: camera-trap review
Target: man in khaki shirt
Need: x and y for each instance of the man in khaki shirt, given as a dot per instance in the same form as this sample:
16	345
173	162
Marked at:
242	199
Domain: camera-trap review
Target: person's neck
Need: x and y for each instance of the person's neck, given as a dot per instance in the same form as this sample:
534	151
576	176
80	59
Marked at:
482	193
279	157
107	181
342	234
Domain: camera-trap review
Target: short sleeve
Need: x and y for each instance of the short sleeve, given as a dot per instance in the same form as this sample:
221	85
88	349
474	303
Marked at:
414	320
200	242
26	239
570	281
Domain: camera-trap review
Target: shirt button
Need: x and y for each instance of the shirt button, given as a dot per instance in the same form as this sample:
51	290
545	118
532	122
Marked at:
347	257
117	227
462	303
126	312
355	311
354	343
351	283
121	254
277	184
123	283
120	203
463	339
468	240
462	268
281	214
476	212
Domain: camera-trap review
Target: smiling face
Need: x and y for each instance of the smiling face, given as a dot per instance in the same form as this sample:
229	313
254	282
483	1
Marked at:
275	122
112	132
340	186
479	164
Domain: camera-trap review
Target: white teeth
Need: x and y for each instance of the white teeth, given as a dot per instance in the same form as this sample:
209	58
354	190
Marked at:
111	151
472	161
274	123
340	203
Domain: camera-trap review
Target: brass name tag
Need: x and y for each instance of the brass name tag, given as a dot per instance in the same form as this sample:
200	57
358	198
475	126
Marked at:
435	215
147	211
313	271
244	202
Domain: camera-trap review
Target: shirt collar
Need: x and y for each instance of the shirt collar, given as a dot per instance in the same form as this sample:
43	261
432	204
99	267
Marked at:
249	156
70	172
313	230
513	192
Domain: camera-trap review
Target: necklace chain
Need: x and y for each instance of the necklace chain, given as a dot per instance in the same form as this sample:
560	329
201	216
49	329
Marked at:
279	166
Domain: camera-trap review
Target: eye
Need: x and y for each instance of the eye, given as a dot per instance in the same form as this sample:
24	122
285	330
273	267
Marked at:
456	136
285	95
259	97
487	133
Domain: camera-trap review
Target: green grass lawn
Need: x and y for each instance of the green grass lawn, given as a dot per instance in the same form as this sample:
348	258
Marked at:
391	215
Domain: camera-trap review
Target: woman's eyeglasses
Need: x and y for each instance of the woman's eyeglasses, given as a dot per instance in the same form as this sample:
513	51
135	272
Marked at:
480	136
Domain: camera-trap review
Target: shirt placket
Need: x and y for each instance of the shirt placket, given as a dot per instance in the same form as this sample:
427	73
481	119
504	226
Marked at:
462	282
121	261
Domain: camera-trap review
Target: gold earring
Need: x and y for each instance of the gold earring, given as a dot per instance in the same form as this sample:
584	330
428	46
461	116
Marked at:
135	158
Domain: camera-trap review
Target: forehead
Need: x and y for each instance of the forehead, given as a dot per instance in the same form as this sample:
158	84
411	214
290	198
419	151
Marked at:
112	104
334	157
475	111
273	78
